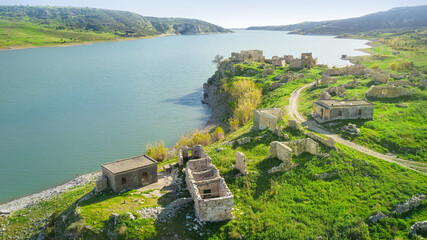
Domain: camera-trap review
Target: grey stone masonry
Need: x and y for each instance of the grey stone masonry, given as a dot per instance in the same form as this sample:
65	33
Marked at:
213	201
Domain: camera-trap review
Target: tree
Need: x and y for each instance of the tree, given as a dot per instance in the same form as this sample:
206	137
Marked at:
217	60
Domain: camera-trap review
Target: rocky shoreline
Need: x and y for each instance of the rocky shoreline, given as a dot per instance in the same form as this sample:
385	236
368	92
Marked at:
26	201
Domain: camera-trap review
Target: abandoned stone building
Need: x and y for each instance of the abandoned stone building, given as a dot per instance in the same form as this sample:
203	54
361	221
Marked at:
128	173
330	110
213	201
267	118
248	56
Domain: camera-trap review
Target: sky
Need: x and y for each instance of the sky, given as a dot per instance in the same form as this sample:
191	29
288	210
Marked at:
238	13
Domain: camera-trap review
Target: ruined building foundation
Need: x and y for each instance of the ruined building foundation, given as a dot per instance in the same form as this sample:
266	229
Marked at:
213	201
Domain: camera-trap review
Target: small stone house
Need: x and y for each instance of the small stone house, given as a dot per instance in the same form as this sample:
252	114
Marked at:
130	173
330	110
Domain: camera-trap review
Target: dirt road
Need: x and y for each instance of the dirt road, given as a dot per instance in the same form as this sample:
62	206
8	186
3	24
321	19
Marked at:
312	125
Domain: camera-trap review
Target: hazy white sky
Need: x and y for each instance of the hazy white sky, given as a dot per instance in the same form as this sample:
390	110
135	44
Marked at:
238	13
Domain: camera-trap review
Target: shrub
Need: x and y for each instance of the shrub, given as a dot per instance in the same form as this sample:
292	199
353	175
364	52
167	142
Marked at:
393	66
240	87
158	152
246	105
234	124
193	138
375	66
218	134
405	66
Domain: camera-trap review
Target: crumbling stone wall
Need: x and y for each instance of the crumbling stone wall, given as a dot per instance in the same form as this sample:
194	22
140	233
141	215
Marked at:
380	77
213	200
101	184
241	163
304	145
307	60
248	56
267	118
329	142
196	152
278	61
387	92
292	124
281	151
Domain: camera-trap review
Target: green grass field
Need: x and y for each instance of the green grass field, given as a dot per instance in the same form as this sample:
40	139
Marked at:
21	34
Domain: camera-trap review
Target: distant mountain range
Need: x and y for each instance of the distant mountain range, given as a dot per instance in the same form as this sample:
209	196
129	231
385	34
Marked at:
121	23
401	17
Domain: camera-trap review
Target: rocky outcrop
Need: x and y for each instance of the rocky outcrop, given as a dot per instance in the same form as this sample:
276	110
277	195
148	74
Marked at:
412	202
267	71
326	175
377	217
351	129
398	76
418	226
387	92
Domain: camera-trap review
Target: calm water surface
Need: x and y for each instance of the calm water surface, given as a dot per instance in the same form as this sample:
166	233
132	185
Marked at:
64	111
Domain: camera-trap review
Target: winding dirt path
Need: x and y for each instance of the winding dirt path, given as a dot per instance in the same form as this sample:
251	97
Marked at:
312	125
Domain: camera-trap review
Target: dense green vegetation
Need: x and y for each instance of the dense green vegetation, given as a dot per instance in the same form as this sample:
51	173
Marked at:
24	26
402	17
286	205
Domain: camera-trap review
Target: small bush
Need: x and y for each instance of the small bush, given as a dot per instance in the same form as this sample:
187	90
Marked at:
76	227
218	134
375	66
240	87
246	104
405	66
393	66
234	124
193	138
158	152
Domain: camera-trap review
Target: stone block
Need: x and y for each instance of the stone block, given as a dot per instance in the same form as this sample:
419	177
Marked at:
241	163
101	184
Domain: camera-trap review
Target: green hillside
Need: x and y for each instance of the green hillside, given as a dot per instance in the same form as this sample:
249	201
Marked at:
24	26
395	18
295	204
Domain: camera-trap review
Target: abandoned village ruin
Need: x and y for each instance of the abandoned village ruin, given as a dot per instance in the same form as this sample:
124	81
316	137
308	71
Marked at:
213	201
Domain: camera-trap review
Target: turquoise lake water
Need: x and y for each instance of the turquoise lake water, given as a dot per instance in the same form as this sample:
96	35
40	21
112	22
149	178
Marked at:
64	111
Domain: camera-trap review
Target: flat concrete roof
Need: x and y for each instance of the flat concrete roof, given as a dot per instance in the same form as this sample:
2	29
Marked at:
129	164
335	103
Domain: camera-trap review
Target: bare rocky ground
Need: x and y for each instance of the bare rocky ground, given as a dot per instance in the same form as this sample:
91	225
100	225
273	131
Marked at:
47	194
312	125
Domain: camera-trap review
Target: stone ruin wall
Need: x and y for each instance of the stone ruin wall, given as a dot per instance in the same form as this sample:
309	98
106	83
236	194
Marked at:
213	200
248	56
266	118
241	163
387	92
330	142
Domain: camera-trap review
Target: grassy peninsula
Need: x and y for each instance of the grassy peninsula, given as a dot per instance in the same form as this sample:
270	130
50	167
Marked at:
295	204
30	26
